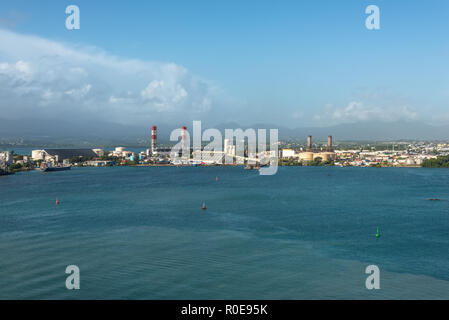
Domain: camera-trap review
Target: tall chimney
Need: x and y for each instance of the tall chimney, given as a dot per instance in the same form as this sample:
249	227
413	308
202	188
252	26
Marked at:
183	138
153	139
309	143
329	144
183	133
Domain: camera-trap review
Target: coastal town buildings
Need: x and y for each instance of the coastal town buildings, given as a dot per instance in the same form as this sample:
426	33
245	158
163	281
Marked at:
382	158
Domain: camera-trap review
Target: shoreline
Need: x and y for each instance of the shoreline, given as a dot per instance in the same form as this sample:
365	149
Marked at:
228	165
216	165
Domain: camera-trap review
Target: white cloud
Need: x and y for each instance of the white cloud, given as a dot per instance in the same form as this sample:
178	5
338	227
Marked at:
20	69
40	77
358	111
23	67
164	95
79	93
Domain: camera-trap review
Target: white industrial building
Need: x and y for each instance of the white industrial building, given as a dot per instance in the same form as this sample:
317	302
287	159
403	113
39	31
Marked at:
120	152
288	153
99	152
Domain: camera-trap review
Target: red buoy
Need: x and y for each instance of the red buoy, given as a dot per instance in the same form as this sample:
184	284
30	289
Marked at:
57	201
216	178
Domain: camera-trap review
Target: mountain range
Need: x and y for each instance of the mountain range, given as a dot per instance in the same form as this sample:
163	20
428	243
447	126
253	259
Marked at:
35	131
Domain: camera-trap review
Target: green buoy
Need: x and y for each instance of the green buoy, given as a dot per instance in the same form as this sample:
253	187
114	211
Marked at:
377	233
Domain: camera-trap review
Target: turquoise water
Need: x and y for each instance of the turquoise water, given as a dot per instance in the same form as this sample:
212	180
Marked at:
304	233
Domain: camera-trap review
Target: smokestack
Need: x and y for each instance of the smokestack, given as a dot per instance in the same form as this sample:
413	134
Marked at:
329	144
153	139
183	138
183	133
309	143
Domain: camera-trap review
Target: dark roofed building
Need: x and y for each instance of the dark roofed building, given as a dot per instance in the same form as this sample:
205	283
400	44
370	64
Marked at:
66	154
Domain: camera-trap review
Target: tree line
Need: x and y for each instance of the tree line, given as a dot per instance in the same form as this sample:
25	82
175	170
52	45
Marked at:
438	162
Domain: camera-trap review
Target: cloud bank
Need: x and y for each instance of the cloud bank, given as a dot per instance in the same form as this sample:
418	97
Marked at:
44	78
357	111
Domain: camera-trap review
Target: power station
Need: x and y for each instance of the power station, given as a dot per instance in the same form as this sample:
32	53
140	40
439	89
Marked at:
311	154
156	151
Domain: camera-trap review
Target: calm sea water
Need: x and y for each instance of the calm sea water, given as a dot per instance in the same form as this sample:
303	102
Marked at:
140	233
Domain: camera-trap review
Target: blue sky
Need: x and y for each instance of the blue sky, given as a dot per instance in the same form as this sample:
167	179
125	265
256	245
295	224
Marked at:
295	63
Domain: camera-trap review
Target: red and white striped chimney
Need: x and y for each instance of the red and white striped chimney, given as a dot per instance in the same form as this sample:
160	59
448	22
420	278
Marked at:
183	133
153	139
183	138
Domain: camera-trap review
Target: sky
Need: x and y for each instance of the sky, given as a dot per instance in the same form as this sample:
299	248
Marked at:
290	63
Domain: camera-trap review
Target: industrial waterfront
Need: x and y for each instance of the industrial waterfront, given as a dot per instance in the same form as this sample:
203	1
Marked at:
306	232
233	151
